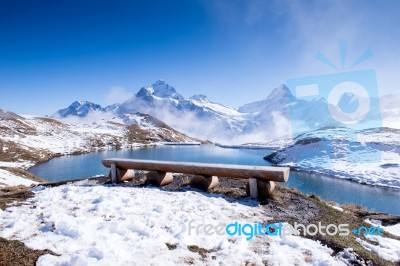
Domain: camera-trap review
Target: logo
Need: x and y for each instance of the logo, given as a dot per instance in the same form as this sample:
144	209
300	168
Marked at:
343	99
279	229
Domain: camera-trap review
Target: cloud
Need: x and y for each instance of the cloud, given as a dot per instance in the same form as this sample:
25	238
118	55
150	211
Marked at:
117	94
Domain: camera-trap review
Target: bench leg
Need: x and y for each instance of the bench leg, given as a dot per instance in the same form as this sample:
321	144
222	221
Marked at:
204	182
260	189
127	175
253	188
157	178
115	174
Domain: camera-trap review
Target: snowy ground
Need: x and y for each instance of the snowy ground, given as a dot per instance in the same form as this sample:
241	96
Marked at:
9	179
368	156
101	225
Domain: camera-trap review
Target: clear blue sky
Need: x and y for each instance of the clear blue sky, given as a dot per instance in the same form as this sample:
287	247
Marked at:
235	52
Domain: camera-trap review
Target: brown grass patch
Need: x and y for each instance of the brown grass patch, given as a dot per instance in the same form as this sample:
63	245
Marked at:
14	195
14	252
17	152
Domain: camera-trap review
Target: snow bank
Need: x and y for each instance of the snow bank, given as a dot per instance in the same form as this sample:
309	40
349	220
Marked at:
393	229
369	156
107	225
386	248
9	179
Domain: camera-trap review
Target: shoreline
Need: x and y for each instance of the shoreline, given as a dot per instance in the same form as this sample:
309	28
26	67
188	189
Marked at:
137	146
8	166
28	175
115	148
316	172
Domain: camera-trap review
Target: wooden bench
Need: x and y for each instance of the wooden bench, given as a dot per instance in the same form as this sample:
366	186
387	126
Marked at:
260	185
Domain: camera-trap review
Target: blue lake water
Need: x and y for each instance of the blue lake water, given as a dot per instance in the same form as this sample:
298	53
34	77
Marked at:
328	188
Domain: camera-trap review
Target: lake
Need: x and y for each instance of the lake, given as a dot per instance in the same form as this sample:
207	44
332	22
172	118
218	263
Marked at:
328	188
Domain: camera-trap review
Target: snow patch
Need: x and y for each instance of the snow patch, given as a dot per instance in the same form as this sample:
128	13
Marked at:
107	225
9	179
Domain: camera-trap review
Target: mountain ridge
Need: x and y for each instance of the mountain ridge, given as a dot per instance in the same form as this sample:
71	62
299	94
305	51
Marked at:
263	120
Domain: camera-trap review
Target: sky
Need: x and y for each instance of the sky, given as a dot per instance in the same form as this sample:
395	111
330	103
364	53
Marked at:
234	51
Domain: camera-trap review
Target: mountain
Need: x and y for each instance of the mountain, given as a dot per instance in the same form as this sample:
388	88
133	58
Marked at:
279	96
8	115
279	115
27	140
196	115
33	139
82	109
282	115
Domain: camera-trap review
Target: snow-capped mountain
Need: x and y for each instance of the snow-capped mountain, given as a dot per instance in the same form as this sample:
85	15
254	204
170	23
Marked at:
279	115
196	115
83	109
279	96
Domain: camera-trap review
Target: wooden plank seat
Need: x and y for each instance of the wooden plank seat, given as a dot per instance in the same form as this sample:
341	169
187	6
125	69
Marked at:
205	175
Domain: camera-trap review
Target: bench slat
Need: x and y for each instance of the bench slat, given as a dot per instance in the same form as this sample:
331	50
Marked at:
266	173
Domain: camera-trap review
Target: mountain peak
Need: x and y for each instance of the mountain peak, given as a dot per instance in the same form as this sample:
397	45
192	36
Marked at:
159	82
200	98
163	90
282	92
280	96
159	89
77	104
79	108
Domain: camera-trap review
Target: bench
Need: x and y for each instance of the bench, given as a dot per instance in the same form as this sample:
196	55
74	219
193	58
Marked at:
260	185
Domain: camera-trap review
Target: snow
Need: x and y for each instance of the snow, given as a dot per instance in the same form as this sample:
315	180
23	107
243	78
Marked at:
266	120
218	108
9	179
110	225
337	208
368	156
393	229
57	138
386	248
44	137
23	164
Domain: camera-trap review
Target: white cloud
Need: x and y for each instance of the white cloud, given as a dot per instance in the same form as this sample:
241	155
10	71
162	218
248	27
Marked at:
117	94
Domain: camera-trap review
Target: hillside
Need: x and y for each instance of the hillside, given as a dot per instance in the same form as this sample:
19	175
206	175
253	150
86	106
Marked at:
370	156
25	141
